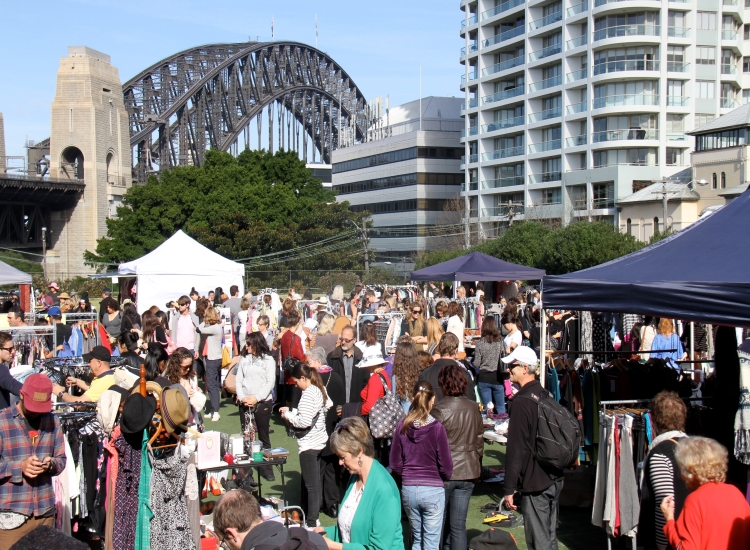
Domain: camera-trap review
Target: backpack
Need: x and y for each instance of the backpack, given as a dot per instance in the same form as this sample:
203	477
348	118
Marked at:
385	413
558	434
297	539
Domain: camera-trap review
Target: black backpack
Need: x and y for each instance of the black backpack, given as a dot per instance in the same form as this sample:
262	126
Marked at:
558	434
296	539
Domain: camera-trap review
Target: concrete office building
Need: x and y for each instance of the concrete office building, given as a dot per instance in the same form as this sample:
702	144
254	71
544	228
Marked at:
404	176
573	105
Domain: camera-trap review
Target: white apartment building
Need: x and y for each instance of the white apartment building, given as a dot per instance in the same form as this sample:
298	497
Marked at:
574	105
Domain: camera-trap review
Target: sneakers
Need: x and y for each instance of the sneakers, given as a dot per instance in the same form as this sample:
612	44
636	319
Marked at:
215	417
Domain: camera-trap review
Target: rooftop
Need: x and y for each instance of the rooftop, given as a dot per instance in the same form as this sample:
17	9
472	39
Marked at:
652	193
739	118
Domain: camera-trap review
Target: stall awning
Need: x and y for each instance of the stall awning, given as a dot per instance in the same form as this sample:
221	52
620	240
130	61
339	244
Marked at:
11	276
477	267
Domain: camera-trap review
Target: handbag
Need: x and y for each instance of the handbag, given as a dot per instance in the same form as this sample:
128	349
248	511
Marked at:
289	361
226	357
385	413
302	432
502	367
230	382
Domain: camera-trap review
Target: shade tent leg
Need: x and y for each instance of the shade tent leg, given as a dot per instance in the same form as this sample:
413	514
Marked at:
542	349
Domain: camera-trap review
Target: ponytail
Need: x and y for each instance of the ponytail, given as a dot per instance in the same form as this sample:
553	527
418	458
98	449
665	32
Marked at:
420	405
303	369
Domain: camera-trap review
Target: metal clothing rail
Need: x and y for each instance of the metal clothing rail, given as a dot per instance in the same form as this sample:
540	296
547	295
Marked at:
597	352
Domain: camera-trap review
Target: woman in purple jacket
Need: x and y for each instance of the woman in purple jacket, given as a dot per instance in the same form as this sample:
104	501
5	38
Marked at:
420	454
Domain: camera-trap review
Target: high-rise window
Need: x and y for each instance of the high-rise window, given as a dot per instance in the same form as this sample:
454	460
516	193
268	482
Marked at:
705	55
705	89
706	20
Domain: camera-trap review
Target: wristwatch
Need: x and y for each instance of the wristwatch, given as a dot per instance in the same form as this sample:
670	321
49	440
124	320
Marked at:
60	395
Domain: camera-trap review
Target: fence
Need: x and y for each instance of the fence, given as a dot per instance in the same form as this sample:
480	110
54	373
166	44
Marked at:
322	280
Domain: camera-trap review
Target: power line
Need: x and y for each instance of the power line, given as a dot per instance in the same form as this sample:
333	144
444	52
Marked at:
339	236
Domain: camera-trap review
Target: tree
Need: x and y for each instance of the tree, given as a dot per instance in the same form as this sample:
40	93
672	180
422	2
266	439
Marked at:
522	243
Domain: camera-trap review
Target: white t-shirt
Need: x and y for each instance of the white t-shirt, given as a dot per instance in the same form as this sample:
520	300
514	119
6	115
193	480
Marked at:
513	338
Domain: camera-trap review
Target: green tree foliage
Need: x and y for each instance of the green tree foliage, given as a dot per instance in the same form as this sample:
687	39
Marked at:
519	244
17	260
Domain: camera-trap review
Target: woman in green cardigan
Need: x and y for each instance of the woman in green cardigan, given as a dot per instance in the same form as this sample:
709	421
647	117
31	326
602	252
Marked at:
370	514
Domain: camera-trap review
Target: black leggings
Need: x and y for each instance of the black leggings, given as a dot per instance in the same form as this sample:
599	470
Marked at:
309	465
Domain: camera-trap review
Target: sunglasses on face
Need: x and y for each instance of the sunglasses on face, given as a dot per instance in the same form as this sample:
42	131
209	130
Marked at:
416	311
347	340
10	349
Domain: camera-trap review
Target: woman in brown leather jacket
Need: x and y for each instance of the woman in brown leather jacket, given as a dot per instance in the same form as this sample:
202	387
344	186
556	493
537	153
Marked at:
463	423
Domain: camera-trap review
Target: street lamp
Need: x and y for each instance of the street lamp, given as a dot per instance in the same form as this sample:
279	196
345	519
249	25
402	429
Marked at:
363	234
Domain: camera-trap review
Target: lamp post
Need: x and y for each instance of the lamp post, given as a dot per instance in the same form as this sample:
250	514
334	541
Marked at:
44	252
363	234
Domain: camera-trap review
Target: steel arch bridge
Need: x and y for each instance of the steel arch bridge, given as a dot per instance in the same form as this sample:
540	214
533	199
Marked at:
205	98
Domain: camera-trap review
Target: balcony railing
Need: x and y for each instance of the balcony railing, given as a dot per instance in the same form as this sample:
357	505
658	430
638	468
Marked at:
627	30
472	103
676	136
578	8
545	52
576	75
728	35
677	67
473	19
501	211
575	141
617	66
636	163
502	182
503	153
678	32
730	2
545	177
606	202
472	48
544	84
504	65
503	36
577	108
677	101
619	135
576	42
728	103
505	6
472	76
598	3
728	69
625	100
502	124
546	115
680	1
546	20
474	130
472	158
505	94
545	146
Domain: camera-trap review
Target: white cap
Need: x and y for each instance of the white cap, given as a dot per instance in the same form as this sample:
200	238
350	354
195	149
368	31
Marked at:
522	354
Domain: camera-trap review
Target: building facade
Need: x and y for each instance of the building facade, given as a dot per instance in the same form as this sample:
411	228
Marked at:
571	106
405	177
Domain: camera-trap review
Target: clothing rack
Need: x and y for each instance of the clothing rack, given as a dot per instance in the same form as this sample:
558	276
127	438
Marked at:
46	330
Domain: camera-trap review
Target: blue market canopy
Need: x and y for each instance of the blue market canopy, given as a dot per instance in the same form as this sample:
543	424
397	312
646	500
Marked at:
700	274
477	267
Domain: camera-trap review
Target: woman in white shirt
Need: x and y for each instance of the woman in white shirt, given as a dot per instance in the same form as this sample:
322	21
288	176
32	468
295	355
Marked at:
456	324
309	419
242	317
514	337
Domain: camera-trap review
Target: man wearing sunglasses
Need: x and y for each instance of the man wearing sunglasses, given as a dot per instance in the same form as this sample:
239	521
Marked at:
8	384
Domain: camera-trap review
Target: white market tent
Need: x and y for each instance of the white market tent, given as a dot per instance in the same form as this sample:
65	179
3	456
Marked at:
177	265
11	276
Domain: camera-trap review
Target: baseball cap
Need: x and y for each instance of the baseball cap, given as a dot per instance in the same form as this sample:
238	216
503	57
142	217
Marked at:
37	393
522	354
54	311
98	352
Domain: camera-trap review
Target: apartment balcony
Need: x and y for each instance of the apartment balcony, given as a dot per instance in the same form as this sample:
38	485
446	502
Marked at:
678	32
502	124
472	76
505	6
578	8
598	3
605	202
474	47
621	135
504	65
619	66
676	136
677	101
503	153
576	141
472	159
472	103
549	51
577	108
625	100
546	115
545	177
474	130
728	35
545	21
505	94
728	103
577	42
728	69
502	37
545	146
501	211
576	75
544	84
627	30
677	67
502	182
472	21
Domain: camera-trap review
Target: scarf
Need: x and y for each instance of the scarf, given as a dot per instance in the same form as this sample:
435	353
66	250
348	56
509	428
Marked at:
742	418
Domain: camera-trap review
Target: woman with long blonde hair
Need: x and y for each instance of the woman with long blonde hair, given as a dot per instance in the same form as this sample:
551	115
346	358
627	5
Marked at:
434	332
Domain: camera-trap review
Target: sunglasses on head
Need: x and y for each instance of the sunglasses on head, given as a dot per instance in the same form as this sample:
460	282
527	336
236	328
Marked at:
339	427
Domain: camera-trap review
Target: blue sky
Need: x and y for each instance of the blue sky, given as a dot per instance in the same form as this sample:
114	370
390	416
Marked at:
380	44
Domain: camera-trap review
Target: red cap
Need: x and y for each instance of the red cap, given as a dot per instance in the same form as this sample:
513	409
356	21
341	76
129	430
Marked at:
37	394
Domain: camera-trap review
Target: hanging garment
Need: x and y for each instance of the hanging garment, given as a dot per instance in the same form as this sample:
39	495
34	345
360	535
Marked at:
145	515
628	504
192	494
587	342
170	528
112	466
600	489
126	495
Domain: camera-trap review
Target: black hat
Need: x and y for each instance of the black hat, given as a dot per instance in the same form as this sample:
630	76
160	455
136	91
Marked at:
493	539
98	352
137	413
47	537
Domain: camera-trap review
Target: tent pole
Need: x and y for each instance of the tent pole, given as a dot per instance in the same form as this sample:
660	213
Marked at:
692	339
542	349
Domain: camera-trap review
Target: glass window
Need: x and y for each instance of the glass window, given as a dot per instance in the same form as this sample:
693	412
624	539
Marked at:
705	89
705	55
723	180
674	156
714	182
675	123
706	20
551	196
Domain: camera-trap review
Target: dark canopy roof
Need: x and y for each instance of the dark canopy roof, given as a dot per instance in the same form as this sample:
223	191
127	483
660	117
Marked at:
700	274
476	267
11	276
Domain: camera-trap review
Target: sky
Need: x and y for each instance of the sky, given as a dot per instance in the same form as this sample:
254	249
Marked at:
380	44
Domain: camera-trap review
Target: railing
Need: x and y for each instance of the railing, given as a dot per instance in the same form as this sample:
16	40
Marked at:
503	153
503	36
607	202
505	94
728	35
625	100
472	48
504	65
728	103
728	69
472	76
575	141
473	19
730	2
501	124
545	146
676	136
678	32
501	211
627	30
577	42
576	75
619	135
502	182
677	67
617	66
472	158
545	177
474	130
472	103
544	84
680	1
598	3
505	6
577	108
578	8
677	101
546	115
546	20
545	52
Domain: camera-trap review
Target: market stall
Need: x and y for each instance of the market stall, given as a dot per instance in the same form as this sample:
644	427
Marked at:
477	266
9	275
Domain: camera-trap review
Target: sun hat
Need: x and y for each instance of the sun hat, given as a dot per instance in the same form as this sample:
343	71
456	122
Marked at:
522	354
175	410
63	296
371	357
323	301
37	393
54	285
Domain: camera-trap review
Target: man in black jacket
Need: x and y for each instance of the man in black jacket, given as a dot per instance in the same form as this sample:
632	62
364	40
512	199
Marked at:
343	360
448	350
540	488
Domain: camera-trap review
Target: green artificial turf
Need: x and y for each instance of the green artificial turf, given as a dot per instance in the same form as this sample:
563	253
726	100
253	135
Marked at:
575	531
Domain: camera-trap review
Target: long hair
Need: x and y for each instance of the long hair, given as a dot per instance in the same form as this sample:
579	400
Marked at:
489	330
129	340
434	330
455	309
172	372
406	367
150	322
326	324
155	355
303	369
258	342
420	407
369	334
211	317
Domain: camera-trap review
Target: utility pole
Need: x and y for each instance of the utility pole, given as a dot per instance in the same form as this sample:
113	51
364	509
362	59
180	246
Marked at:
44	252
365	242
664	198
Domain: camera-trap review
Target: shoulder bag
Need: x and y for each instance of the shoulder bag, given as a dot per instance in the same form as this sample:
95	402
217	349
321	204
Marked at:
385	413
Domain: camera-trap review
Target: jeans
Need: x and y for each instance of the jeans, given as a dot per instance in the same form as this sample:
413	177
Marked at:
309	465
425	507
457	497
213	382
492	392
540	517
